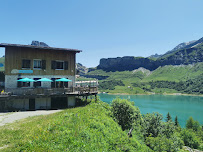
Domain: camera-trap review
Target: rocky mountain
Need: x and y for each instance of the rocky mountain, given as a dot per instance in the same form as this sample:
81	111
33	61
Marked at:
155	56
126	63
179	46
184	53
81	70
37	43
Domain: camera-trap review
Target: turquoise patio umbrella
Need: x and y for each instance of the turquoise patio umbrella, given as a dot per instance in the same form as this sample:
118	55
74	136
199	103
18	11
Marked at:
63	80
45	80
26	80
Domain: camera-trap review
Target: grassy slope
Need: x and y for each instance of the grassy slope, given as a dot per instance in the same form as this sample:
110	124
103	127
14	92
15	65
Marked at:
127	77
169	73
175	73
87	128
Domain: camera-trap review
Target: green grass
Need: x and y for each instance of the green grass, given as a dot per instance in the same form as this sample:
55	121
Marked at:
175	73
79	129
166	73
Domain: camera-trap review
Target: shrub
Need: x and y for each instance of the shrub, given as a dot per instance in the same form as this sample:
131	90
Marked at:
162	143
192	124
190	139
125	113
151	124
168	128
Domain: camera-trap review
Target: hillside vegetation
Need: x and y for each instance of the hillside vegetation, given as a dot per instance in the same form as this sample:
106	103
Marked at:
186	79
88	128
101	127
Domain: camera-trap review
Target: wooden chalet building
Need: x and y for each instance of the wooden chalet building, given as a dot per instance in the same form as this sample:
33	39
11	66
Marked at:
36	62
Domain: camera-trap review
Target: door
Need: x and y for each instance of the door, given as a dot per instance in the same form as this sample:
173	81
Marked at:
31	104
59	103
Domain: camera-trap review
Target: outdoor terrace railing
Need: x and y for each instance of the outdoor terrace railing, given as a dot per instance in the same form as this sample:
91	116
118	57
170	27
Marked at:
51	91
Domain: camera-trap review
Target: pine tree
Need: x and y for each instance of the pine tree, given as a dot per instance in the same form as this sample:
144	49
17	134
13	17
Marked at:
190	123
168	117
176	122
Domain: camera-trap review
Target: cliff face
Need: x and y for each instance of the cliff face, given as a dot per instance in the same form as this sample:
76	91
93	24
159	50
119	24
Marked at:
82	70
126	63
182	56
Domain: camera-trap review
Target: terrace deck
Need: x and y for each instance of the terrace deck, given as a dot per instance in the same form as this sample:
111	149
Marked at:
44	92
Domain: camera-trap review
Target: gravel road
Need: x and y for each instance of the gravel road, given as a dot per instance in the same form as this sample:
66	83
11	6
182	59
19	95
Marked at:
13	116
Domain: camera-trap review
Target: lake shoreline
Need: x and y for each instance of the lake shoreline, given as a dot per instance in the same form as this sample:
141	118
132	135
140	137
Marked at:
183	106
172	94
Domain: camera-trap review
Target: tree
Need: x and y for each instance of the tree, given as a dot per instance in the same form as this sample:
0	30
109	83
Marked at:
152	124
168	117
176	122
125	113
189	123
192	124
190	139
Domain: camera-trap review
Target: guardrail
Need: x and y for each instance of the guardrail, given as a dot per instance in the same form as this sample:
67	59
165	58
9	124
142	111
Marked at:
49	91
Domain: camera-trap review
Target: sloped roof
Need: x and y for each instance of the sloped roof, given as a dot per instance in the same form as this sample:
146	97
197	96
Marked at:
38	47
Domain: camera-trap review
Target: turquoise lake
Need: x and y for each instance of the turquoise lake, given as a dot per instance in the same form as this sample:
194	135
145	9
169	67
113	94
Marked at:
181	106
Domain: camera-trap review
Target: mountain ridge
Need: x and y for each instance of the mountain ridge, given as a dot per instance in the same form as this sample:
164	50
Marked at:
190	52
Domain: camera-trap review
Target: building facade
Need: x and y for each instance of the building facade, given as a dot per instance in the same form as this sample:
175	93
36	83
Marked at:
36	62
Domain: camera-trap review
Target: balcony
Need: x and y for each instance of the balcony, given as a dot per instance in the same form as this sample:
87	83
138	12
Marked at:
50	91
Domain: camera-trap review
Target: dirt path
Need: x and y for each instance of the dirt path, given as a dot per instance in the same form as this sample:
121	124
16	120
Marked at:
13	116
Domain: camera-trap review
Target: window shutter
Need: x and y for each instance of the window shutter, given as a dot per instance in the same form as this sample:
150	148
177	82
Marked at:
43	64
26	63
53	64
66	65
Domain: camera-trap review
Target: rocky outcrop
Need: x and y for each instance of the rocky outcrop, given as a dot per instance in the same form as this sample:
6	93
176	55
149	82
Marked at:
37	43
82	70
183	56
126	63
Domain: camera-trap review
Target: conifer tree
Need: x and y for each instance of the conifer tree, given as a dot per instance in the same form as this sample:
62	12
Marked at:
176	121
168	117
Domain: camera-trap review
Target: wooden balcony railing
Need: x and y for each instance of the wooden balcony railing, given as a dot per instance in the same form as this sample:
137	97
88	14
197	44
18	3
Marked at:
51	91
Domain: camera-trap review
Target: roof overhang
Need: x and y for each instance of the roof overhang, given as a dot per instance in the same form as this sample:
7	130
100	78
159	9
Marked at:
38	47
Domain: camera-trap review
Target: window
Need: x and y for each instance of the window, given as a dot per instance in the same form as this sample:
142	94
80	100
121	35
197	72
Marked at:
37	64
59	65
26	64
37	84
58	84
22	84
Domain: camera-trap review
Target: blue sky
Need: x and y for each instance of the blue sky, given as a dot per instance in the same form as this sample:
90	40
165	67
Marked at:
102	28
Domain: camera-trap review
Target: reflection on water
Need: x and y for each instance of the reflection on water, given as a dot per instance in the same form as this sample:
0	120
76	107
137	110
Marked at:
182	106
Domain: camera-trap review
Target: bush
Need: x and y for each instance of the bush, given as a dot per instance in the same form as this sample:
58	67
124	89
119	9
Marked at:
151	124
110	85
125	113
162	143
168	128
192	124
190	139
